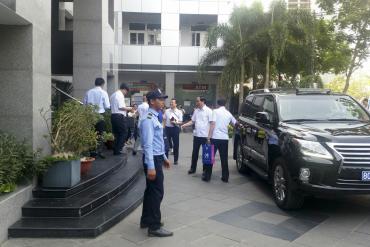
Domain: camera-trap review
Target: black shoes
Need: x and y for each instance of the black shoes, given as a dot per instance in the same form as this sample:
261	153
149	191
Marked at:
224	180
191	171
175	163
143	226
134	153
161	233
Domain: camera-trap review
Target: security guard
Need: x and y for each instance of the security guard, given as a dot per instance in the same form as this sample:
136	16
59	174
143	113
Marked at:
154	158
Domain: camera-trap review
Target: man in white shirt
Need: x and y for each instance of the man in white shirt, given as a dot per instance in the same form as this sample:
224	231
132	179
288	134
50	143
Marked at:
174	118
118	118
99	98
201	118
219	137
142	110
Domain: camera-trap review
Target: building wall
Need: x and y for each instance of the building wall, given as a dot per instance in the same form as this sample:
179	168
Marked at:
25	72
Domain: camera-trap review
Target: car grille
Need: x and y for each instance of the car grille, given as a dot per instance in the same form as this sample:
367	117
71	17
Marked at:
354	155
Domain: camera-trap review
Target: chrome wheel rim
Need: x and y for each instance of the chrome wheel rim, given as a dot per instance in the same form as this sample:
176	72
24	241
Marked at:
279	183
239	160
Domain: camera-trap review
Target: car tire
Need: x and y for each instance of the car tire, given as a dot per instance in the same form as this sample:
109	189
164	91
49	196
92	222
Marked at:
285	195
240	165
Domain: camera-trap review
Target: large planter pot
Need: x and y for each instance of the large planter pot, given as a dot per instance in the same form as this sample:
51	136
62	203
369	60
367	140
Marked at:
86	165
109	144
63	174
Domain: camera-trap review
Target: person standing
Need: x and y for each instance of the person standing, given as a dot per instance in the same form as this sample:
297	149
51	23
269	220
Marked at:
119	118
219	137
174	118
153	159
142	110
201	119
98	97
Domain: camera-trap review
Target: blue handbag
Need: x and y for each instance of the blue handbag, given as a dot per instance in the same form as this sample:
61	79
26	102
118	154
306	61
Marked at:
208	154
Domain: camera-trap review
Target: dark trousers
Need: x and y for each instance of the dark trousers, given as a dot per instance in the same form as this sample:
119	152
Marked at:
197	143
153	196
173	135
119	128
222	146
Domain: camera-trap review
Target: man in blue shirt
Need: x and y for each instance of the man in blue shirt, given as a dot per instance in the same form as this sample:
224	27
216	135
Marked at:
154	157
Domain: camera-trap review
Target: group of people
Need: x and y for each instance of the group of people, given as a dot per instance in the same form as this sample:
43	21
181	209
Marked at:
159	131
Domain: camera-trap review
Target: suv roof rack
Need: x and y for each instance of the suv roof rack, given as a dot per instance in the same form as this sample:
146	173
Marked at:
267	90
300	91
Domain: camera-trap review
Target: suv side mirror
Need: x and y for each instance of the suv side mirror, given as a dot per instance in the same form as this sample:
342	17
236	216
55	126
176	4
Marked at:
263	118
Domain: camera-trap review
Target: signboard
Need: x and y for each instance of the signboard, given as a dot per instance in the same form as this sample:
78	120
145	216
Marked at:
195	87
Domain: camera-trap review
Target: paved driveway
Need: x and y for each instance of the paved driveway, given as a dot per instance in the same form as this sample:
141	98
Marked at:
240	213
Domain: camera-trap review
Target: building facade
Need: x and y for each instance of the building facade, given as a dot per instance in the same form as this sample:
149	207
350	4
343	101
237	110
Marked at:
161	42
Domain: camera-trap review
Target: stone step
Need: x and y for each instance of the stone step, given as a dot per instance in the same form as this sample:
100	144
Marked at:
90	225
88	200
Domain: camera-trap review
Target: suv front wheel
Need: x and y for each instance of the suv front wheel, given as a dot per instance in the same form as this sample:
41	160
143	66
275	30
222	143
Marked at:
286	197
240	165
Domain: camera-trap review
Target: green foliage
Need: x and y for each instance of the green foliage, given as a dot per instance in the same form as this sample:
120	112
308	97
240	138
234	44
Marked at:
107	136
17	162
295	42
73	128
107	119
358	89
353	18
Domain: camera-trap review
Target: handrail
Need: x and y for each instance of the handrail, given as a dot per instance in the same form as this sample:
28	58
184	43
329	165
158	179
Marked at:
66	94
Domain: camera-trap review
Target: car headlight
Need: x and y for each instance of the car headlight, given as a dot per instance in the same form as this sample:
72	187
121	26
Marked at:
314	149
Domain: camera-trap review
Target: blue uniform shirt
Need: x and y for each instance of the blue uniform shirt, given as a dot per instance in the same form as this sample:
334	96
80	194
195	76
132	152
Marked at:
152	137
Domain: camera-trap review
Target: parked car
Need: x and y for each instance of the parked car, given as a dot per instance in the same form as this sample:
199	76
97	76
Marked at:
305	142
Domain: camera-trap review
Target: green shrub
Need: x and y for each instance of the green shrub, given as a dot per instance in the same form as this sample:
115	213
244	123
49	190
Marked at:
71	132
17	162
107	119
72	129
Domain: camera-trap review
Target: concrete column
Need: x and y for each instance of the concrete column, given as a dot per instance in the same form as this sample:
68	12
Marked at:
25	73
170	86
87	45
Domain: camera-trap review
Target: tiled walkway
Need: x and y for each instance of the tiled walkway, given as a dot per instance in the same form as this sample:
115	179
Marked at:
240	213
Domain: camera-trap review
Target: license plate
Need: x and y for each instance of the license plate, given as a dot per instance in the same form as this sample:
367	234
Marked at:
366	176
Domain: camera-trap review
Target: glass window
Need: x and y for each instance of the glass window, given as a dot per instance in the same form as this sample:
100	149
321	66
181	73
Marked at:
133	38
320	108
140	38
269	107
154	27
137	26
195	39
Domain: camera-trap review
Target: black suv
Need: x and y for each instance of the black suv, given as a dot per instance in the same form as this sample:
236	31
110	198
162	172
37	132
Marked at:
305	142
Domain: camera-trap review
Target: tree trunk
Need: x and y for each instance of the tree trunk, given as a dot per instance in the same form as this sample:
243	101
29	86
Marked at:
241	85
348	78
267	75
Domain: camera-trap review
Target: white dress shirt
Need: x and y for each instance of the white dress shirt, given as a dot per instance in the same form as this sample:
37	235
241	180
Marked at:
98	97
202	118
117	101
173	113
142	110
222	119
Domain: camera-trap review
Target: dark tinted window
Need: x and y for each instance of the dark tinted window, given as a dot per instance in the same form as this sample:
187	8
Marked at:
258	100
321	107
269	106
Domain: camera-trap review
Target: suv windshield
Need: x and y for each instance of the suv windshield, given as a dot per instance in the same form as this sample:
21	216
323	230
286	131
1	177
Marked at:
320	107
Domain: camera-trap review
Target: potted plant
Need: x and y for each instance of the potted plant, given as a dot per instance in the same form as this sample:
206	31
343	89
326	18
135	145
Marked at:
86	163
71	133
108	140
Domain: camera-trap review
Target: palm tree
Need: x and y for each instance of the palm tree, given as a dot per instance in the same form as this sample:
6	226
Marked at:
237	46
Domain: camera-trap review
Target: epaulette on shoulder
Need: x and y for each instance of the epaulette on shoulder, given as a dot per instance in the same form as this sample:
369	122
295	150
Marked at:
150	115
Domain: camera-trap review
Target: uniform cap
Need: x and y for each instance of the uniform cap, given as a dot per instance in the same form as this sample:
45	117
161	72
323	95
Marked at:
156	94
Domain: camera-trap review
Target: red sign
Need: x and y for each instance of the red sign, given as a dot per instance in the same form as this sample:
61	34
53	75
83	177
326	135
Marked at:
195	87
